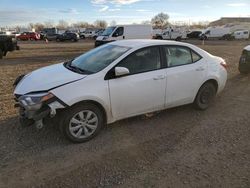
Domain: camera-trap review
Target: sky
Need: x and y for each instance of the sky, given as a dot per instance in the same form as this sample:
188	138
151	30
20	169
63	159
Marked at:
17	12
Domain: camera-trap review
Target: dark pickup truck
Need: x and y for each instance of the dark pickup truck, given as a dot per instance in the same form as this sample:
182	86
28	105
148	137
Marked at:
8	43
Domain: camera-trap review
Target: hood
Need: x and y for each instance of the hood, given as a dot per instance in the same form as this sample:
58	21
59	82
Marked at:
46	78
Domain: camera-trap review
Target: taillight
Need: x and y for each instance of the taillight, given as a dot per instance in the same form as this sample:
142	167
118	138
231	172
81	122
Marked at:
224	64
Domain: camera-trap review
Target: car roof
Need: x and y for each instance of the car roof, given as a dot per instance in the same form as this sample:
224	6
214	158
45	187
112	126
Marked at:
140	43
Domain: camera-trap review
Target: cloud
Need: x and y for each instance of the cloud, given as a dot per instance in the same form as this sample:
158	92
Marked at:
117	2
143	10
69	11
104	8
237	4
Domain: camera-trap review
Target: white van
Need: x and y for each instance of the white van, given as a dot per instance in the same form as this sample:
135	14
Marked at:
121	32
241	34
215	32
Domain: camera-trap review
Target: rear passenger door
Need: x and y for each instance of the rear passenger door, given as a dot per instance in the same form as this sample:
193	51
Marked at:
185	73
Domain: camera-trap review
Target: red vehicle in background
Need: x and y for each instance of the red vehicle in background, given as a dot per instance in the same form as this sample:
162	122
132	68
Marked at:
29	36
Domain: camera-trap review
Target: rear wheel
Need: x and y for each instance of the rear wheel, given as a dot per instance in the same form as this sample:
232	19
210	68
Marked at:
82	122
205	96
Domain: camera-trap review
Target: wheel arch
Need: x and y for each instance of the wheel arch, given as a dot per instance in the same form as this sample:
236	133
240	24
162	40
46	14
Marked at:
213	81
99	105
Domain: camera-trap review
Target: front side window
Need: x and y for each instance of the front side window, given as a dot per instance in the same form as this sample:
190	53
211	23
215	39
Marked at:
119	32
177	55
144	60
98	59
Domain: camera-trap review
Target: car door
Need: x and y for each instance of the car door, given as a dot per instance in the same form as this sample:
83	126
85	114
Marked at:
143	90
185	74
119	33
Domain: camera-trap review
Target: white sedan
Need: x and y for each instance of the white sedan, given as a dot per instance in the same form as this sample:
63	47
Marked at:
116	81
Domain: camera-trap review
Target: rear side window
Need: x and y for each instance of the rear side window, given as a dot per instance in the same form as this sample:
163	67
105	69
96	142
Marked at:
180	55
177	56
196	57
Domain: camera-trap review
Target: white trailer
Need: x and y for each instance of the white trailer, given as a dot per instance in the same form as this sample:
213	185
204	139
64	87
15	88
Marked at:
241	34
121	32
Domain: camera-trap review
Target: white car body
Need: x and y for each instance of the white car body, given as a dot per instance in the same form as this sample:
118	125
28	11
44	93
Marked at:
129	95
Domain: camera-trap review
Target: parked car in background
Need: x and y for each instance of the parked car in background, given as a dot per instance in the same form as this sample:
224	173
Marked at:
50	33
241	34
119	80
7	44
98	33
194	34
87	34
67	36
29	36
244	65
121	32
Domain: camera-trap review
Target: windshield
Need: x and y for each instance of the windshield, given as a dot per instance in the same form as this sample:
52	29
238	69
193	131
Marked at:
98	59
108	31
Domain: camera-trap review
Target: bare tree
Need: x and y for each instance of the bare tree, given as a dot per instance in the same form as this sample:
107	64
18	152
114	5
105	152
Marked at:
49	24
31	26
160	21
113	23
38	26
100	24
62	24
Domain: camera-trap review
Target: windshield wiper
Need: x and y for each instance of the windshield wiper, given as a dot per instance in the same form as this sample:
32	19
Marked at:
76	69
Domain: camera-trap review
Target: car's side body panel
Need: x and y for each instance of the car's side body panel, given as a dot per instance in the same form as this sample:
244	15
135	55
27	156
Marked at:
183	83
137	94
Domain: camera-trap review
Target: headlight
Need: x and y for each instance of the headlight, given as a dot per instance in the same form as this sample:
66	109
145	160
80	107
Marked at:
35	101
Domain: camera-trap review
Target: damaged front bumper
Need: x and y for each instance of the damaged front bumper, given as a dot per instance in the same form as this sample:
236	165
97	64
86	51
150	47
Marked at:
34	112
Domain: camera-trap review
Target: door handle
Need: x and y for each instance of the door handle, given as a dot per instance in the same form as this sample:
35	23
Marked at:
160	77
200	69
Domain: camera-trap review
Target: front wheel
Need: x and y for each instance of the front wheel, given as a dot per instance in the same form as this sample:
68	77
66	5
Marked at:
205	96
82	122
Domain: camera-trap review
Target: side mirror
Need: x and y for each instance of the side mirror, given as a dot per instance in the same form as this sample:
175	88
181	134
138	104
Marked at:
121	71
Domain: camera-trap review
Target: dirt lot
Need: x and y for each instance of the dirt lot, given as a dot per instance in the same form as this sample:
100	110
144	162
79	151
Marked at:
179	147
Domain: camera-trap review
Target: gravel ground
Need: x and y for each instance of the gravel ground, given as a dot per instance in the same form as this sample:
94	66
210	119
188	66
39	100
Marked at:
179	147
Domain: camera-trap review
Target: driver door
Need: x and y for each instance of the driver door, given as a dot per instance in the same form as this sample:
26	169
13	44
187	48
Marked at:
143	90
119	33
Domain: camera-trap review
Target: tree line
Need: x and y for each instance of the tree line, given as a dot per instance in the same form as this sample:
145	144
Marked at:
159	21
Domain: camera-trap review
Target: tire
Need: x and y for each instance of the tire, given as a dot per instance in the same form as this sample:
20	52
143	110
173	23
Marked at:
24	122
75	120
1	54
159	38
205	96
